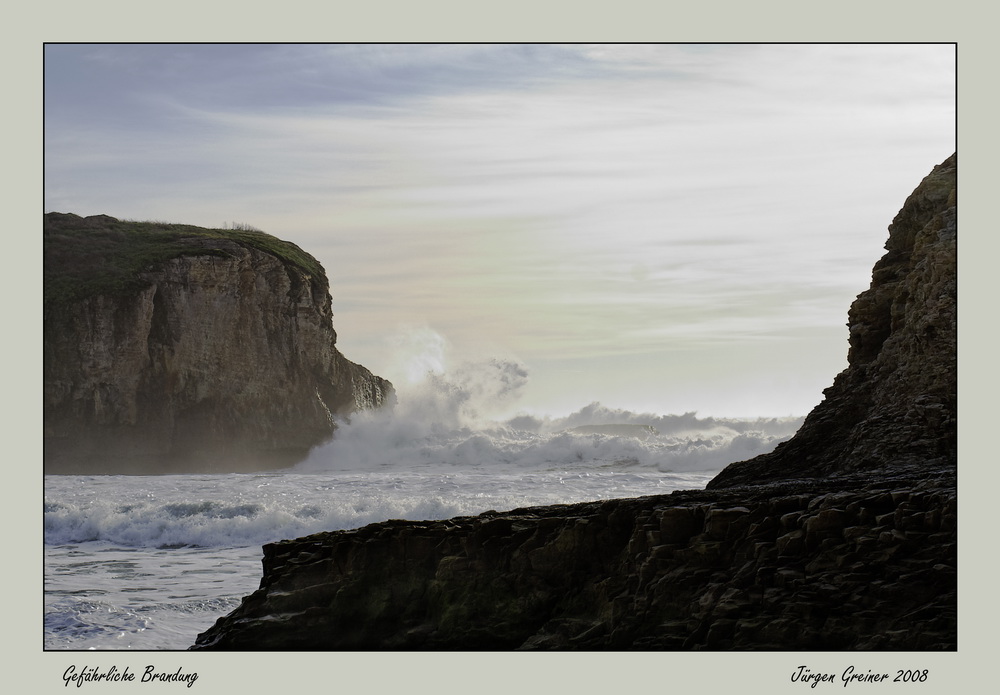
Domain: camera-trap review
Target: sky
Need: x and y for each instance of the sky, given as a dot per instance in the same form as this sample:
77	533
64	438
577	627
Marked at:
663	228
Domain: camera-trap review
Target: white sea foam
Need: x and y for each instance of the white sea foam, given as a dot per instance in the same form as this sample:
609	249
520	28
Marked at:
250	510
445	421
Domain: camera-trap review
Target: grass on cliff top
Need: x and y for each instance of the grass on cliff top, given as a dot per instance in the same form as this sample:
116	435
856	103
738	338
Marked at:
95	255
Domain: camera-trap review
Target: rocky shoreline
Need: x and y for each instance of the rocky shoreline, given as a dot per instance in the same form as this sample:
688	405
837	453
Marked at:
842	538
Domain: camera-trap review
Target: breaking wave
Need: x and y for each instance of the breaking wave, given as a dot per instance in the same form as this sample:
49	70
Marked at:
446	419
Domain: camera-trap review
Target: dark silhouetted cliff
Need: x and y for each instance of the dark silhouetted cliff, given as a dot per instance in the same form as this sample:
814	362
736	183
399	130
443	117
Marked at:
897	400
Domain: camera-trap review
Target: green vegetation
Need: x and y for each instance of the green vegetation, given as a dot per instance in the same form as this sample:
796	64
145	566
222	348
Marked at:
84	257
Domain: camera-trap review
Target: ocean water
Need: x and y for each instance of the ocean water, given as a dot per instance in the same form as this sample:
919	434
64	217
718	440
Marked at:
148	562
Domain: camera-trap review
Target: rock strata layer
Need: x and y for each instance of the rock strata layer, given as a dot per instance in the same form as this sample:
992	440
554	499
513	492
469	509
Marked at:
218	356
844	538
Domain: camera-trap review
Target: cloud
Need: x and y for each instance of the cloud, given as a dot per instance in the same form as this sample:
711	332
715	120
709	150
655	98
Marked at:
567	201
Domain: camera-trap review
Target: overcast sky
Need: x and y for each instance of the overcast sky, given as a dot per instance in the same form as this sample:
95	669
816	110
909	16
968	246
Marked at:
669	228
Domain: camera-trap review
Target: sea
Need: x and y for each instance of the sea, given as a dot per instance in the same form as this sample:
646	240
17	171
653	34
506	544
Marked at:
149	562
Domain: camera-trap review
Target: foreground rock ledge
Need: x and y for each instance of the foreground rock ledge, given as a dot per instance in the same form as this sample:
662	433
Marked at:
854	563
842	538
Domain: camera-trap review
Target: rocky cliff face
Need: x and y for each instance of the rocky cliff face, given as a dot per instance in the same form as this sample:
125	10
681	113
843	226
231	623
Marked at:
219	356
897	400
844	538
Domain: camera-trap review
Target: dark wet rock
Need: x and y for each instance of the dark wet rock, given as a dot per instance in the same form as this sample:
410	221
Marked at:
689	570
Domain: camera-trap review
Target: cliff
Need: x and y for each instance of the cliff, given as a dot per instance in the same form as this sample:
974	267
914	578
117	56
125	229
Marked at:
170	348
845	540
896	402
